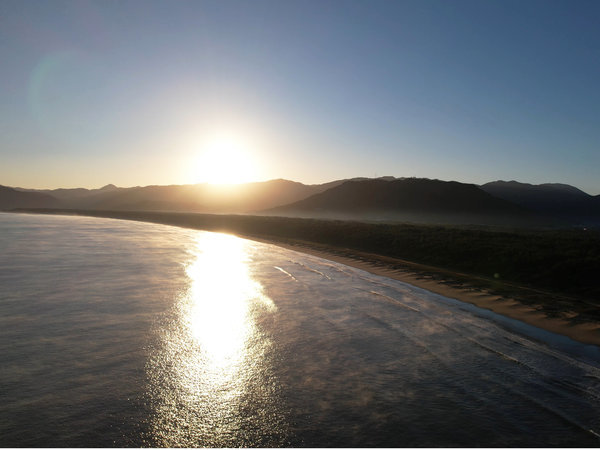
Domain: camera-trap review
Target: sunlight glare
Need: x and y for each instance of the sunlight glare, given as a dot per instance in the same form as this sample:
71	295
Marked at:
213	351
225	160
223	294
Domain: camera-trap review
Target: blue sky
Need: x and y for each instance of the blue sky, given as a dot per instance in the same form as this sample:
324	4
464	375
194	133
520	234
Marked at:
134	92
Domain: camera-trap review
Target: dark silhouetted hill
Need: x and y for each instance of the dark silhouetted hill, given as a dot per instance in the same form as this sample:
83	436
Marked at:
205	198
380	199
552	199
11	198
68	194
409	199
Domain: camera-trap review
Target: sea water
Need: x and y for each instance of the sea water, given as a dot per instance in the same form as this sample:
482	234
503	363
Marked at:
118	333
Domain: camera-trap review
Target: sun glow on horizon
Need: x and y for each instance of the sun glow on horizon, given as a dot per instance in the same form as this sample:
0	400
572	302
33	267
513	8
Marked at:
225	159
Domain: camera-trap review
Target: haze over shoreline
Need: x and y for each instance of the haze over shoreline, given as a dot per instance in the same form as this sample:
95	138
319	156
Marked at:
567	315
134	334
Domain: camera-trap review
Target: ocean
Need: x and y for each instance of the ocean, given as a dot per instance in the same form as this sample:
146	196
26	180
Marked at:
129	334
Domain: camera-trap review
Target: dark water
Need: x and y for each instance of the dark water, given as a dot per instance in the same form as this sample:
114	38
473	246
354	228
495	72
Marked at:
117	333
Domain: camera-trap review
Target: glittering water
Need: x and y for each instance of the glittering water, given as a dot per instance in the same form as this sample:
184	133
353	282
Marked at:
117	333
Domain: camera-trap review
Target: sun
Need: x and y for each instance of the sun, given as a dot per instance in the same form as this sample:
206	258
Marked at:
225	160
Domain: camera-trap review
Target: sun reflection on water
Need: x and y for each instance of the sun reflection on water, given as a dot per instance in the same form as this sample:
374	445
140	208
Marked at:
212	359
221	298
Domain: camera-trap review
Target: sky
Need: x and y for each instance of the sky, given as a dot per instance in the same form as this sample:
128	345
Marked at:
177	92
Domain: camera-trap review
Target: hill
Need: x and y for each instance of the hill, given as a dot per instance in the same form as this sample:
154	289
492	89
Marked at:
551	199
417	200
408	199
68	194
11	198
204	198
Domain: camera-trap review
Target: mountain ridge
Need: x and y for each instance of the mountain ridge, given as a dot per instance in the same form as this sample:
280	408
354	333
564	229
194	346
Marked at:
408	199
11	198
550	199
383	198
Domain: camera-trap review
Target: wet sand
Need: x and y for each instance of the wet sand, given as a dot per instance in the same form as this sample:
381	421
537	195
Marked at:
447	284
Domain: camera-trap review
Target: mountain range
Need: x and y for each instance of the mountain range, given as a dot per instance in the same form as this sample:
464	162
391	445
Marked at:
422	200
408	199
551	199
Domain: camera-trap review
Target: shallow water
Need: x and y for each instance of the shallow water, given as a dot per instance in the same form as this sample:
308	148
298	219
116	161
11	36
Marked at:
116	333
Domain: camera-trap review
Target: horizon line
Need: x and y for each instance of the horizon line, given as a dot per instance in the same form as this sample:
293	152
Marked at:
231	185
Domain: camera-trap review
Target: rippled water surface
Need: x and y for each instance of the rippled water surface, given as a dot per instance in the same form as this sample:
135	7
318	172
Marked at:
116	333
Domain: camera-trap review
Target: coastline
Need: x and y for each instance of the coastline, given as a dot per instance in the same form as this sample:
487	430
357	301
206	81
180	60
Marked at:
515	302
586	332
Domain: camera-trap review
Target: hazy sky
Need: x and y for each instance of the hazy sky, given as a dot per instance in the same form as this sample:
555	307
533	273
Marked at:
135	92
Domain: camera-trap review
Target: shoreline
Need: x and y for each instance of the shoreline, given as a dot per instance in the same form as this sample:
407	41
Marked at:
515	302
585	333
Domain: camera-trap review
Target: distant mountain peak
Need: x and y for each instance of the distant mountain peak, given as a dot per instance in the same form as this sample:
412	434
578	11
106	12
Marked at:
552	199
12	198
108	187
547	187
564	187
403	199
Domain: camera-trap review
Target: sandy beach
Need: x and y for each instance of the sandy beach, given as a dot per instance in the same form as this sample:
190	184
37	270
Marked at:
448	286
